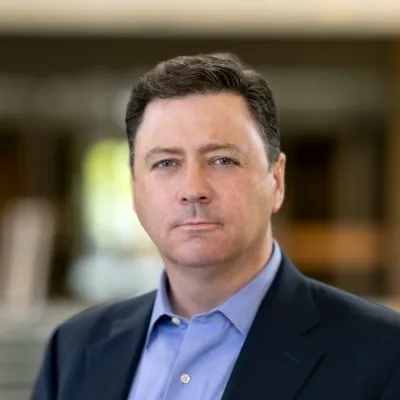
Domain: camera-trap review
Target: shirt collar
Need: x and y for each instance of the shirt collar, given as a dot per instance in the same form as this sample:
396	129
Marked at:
240	309
161	307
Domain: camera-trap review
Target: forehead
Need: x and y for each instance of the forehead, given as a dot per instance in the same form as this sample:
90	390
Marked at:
196	119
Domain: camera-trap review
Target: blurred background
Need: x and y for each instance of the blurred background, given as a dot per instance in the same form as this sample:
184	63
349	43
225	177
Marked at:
68	235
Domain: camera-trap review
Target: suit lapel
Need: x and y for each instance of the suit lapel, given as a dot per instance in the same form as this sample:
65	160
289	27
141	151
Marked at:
111	363
277	357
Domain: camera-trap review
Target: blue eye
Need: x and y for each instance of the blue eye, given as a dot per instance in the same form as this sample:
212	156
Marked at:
225	161
164	164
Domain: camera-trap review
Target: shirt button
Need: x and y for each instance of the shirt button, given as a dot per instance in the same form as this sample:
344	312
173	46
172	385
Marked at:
185	378
176	321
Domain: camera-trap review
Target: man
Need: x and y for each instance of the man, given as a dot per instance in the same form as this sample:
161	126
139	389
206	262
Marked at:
232	319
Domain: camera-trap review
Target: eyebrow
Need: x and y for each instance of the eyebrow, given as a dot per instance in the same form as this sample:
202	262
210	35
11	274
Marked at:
207	148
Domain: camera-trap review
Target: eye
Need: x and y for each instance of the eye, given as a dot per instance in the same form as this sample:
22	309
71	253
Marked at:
164	164
225	161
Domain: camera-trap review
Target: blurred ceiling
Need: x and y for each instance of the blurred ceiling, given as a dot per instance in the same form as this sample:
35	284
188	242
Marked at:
206	17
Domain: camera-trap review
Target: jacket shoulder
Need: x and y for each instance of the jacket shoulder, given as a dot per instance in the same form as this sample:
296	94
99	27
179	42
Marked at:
353	311
94	322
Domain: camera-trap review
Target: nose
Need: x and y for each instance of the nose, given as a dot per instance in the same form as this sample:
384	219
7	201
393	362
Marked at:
194	187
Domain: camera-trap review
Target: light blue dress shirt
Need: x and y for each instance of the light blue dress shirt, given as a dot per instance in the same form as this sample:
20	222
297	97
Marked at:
193	359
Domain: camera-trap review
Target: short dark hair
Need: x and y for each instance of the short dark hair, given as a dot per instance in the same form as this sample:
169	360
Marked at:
206	74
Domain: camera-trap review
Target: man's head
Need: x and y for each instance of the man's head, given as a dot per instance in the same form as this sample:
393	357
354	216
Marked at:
206	163
206	74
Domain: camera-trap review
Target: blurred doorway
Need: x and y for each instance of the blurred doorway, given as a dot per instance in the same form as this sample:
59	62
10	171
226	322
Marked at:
37	163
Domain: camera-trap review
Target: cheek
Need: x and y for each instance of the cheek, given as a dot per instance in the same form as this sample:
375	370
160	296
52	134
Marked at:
262	194
237	200
152	204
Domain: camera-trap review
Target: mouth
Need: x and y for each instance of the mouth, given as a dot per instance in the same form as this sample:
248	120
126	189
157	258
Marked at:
199	225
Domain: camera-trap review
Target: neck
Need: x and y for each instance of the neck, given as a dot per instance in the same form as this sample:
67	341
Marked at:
194	290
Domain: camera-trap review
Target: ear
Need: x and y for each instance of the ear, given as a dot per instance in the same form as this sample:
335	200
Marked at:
278	173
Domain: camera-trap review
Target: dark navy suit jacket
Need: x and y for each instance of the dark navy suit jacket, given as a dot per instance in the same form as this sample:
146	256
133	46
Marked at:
308	341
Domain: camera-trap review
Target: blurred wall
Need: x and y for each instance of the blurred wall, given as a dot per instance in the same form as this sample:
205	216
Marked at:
61	95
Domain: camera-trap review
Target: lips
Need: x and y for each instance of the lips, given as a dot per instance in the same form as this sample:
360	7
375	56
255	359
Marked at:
198	223
198	226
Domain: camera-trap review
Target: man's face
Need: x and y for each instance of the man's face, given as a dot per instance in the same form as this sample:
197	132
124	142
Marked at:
202	186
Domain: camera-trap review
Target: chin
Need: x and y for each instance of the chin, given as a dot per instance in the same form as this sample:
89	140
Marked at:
199	263
200	257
